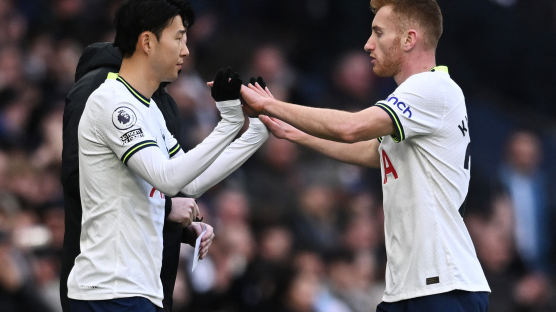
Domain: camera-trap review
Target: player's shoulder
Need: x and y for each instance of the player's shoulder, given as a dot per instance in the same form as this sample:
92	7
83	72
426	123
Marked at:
109	106
425	81
430	85
108	96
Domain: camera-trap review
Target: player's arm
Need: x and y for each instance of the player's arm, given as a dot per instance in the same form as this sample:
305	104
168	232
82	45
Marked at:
363	153
171	175
330	124
230	159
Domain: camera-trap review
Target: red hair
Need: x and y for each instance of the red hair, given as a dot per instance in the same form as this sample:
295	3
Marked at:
426	13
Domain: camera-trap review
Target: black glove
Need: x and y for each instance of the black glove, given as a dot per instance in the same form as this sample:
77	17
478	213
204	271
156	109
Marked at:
259	80
226	85
188	236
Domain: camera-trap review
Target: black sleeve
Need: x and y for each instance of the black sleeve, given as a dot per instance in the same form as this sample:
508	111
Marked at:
170	259
188	236
167	206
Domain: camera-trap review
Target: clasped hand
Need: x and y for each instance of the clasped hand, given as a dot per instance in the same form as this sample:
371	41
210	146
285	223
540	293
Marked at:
227	85
184	211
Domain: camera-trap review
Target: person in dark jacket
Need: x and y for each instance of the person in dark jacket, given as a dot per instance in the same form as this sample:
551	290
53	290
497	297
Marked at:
95	63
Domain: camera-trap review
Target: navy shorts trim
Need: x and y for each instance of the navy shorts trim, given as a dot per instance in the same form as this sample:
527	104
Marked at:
453	301
131	304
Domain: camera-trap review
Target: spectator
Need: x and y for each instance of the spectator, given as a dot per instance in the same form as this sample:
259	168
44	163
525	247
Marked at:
514	286
527	186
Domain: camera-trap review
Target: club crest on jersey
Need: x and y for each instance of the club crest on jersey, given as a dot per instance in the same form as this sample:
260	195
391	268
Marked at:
123	118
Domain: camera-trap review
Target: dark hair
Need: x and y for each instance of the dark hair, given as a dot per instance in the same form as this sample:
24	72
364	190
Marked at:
425	12
137	16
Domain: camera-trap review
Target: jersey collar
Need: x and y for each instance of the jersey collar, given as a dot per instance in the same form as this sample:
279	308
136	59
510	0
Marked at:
440	68
143	99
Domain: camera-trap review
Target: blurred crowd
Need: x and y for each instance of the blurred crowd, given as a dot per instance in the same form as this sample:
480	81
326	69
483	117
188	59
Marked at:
295	231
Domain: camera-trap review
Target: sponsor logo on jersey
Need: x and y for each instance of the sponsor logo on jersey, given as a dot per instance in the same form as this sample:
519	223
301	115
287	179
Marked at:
402	107
132	135
124	118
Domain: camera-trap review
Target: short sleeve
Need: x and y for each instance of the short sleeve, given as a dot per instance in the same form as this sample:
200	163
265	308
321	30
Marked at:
415	108
122	128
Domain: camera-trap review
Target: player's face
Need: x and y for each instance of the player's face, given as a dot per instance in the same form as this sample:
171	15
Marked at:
170	50
384	44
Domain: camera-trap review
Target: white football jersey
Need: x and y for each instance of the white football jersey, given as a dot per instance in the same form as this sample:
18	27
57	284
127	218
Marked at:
425	174
123	215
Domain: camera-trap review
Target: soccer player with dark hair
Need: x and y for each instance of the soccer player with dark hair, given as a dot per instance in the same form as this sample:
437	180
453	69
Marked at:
419	137
95	63
129	161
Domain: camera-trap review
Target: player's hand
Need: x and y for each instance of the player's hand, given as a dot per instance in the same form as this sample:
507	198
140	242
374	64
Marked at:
254	95
226	85
184	210
259	86
281	129
207	239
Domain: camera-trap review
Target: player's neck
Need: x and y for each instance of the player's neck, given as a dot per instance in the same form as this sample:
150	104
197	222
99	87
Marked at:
136	72
415	63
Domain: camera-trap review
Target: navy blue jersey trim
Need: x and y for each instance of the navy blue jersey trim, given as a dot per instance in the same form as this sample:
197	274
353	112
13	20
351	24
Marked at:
144	100
135	148
174	150
400	134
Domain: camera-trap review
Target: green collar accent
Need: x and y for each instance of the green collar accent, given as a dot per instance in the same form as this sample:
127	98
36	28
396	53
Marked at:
144	100
440	68
112	76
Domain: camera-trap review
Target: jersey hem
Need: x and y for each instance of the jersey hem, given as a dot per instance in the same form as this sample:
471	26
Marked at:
81	296
422	293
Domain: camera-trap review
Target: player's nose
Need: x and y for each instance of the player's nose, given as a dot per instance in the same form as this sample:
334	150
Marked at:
184	50
369	46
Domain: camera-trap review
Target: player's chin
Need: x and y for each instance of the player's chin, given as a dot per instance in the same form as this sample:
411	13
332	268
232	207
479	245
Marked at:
172	77
379	71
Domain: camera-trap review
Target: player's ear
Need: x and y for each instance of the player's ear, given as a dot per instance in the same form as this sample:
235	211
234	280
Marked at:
145	42
409	39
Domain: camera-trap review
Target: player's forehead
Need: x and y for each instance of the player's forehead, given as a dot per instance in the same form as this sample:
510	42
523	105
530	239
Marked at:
384	18
175	26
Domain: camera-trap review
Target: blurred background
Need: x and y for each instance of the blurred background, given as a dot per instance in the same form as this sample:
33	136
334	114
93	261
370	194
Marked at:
295	231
